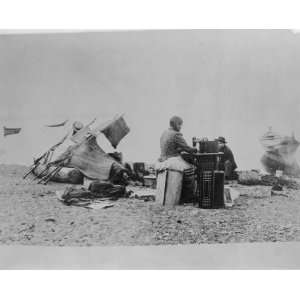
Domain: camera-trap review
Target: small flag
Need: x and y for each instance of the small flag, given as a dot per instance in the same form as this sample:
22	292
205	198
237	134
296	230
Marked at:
116	130
9	131
58	125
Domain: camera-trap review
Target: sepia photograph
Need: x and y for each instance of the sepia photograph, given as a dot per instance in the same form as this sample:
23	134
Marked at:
149	137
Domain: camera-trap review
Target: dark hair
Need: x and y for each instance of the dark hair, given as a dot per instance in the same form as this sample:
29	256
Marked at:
175	120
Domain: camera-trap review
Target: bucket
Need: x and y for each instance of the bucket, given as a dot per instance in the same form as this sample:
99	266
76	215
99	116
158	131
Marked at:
169	186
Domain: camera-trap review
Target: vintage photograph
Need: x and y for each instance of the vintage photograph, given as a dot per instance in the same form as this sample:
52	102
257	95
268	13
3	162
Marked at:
150	137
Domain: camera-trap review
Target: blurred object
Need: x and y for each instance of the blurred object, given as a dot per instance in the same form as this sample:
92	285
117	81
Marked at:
138	171
230	195
150	181
277	187
280	153
143	194
205	146
58	125
249	177
284	181
150	168
257	192
118	156
9	131
119	174
106	189
64	175
255	178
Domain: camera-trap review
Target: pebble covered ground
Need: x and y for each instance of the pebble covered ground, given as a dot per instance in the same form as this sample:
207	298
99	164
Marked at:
31	214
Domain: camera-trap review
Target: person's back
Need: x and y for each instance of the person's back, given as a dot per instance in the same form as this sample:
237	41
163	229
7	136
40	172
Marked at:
168	145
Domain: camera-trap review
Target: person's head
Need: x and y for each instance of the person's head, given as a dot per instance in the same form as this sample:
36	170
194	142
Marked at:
77	126
176	123
221	141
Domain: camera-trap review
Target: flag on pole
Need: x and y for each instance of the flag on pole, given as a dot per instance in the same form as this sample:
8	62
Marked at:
9	131
116	130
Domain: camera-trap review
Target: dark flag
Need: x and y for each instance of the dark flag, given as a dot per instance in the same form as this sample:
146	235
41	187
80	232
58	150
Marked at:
9	131
58	125
116	130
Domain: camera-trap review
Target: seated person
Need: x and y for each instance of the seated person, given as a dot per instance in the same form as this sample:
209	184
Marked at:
172	144
227	162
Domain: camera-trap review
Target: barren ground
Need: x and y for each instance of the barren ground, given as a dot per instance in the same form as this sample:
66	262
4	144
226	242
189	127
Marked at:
30	214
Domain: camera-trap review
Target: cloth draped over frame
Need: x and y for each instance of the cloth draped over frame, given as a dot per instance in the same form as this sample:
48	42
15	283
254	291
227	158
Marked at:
90	159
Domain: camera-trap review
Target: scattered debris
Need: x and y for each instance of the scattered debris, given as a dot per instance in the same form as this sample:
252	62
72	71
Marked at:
150	181
275	193
99	205
255	178
50	220
230	195
145	194
249	177
277	187
256	192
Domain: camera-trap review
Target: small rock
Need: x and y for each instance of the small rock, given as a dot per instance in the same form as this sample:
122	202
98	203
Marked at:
50	220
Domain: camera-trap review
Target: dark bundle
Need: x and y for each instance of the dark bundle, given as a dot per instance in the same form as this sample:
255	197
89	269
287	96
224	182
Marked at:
96	191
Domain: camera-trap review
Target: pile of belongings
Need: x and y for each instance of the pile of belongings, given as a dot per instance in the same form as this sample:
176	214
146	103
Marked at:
280	153
97	195
137	172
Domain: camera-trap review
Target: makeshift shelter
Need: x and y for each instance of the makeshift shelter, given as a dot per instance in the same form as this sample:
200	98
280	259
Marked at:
87	156
280	153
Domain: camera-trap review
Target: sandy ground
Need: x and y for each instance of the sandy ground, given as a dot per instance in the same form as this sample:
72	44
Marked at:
30	214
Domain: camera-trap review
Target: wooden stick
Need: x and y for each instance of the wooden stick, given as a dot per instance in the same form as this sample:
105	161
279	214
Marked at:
52	175
42	173
49	174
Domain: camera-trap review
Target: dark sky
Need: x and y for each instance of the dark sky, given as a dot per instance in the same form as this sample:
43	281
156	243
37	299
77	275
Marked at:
234	83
